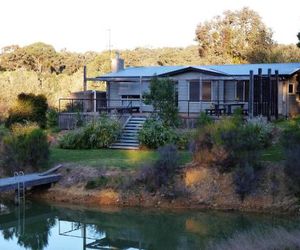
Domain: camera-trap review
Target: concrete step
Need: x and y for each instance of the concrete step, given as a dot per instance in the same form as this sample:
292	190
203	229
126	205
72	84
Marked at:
130	129
124	147
129	136
122	140
126	144
137	120
134	126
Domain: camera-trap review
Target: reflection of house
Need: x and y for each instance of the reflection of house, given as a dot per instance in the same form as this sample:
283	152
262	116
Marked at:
266	89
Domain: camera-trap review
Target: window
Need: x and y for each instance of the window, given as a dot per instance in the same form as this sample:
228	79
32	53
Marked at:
206	91
291	88
130	96
242	91
176	93
195	91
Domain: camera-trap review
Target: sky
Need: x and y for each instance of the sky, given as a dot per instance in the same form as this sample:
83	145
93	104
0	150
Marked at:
85	25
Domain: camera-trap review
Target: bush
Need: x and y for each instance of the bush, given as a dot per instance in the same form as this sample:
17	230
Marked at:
231	146
225	144
114	182
292	169
28	108
290	140
244	179
266	131
26	146
154	134
203	120
99	134
162	172
52	118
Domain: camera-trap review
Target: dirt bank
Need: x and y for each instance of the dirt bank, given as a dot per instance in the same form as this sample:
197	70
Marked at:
199	188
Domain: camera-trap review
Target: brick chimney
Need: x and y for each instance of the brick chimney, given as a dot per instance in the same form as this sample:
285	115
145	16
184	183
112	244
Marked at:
117	63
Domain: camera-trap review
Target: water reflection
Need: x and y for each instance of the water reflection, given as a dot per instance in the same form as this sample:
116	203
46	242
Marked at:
41	226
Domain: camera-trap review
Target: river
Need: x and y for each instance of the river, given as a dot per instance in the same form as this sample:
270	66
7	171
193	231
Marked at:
42	226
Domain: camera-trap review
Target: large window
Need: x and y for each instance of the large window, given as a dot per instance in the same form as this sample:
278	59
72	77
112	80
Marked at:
195	91
242	91
206	91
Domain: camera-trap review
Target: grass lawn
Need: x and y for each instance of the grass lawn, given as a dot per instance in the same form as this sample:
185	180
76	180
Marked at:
123	159
273	154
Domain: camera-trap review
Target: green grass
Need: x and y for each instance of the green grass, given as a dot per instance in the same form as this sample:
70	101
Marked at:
110	158
273	154
285	123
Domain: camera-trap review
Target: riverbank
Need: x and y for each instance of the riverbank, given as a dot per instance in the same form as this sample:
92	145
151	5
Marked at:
194	187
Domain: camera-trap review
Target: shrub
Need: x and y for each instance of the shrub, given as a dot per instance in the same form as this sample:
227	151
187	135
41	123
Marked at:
242	145
182	139
154	134
266	131
231	146
292	169
162	97
203	120
52	118
28	108
162	172
244	179
290	140
115	182
99	134
226	144
25	146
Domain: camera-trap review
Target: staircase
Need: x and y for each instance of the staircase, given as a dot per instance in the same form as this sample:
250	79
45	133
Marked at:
129	136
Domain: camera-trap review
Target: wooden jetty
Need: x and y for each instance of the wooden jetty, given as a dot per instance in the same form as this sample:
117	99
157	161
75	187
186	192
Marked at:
30	180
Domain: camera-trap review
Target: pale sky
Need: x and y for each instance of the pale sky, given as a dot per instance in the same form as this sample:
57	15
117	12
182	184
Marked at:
82	25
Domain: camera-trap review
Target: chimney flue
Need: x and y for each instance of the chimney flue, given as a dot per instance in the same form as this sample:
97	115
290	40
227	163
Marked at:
117	63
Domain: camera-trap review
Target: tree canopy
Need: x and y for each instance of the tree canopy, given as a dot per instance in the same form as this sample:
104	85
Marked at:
235	37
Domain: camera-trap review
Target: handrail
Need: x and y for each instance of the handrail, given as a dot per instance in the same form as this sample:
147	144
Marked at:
129	104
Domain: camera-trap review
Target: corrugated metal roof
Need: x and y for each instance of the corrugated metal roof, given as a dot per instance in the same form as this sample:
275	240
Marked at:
232	70
244	69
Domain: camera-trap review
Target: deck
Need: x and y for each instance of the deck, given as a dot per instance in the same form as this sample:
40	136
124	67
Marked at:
29	180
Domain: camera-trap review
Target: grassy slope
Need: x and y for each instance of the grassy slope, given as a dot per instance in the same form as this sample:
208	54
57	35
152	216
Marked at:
275	153
108	157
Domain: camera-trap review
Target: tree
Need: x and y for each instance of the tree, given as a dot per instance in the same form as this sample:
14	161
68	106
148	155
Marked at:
298	44
162	98
235	37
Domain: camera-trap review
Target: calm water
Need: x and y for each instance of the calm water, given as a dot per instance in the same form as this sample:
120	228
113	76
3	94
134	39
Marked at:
41	226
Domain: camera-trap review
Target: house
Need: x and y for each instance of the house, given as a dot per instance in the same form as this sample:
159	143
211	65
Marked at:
259	89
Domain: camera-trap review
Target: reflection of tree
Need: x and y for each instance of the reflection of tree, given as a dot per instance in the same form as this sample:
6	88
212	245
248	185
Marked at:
36	235
8	234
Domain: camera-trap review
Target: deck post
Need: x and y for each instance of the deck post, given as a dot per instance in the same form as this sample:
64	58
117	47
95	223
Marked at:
84	79
270	95
276	93
251	94
260	110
